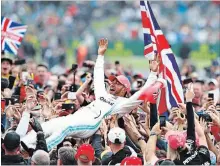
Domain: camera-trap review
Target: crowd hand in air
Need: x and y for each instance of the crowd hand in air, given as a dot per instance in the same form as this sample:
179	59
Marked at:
130	127
204	125
189	93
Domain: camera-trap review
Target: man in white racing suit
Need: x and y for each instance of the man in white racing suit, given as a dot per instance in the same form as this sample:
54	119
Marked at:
86	121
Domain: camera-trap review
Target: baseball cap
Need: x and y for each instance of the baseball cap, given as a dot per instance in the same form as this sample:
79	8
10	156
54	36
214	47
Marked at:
11	140
131	161
85	153
177	139
7	59
167	162
123	80
117	135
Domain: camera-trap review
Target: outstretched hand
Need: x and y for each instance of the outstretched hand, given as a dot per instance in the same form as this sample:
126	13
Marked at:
103	45
189	93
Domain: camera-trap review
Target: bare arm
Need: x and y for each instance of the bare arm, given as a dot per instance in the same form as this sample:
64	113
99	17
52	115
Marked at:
82	88
210	144
201	134
150	151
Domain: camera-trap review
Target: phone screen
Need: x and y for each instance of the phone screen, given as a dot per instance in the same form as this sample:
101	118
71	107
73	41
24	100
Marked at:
25	76
162	121
57	96
16	98
211	96
68	106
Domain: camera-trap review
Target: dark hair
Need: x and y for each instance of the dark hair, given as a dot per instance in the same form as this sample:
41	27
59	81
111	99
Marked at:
42	65
11	141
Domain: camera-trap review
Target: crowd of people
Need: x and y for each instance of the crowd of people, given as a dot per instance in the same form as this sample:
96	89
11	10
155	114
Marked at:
92	116
54	25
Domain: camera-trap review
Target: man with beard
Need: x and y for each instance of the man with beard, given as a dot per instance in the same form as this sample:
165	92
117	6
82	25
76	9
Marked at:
86	121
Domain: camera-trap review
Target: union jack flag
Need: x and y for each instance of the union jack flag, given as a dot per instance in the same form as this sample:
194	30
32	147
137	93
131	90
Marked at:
12	35
155	43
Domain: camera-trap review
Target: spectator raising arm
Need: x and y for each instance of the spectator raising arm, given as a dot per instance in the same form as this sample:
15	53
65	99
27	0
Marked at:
24	122
190	114
150	151
79	92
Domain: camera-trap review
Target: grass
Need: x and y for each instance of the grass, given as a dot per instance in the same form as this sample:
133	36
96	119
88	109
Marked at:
141	63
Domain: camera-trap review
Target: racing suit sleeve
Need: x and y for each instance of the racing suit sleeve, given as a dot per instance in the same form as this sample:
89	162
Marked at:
23	124
99	85
151	79
127	105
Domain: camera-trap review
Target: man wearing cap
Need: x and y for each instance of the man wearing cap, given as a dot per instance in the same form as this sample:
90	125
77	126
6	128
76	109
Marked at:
11	146
116	142
6	67
131	161
86	121
85	155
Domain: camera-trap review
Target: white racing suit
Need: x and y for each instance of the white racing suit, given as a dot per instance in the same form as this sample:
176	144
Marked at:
86	121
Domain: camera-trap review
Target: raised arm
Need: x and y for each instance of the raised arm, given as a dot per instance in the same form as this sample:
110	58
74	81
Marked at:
24	122
151	79
99	85
190	114
82	88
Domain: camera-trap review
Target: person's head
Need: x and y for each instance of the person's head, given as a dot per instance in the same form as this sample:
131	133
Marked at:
212	84
11	143
66	156
116	139
15	71
131	161
6	65
197	88
63	77
40	157
42	72
31	66
120	85
178	141
164	162
67	144
85	155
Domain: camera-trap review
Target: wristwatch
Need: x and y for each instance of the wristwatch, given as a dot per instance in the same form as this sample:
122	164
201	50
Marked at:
141	138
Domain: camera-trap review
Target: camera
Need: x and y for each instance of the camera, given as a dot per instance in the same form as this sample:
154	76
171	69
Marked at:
206	117
74	67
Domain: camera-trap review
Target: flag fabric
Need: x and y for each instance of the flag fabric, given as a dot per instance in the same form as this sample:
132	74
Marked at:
12	35
155	43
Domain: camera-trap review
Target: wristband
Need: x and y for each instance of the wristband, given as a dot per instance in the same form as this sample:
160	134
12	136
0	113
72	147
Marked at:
153	133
